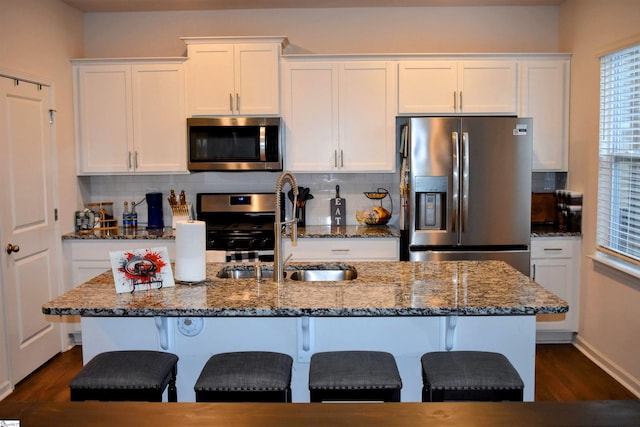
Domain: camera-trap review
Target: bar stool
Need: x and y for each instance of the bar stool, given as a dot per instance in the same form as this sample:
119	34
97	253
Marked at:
469	375
354	375
128	375
250	376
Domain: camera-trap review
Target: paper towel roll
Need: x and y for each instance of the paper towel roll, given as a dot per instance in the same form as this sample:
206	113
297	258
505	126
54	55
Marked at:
191	262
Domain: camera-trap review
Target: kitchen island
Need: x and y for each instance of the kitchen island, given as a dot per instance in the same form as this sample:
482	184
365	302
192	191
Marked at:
405	308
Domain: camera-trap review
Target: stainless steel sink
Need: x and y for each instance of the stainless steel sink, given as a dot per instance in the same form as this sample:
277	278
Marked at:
333	275
244	272
300	273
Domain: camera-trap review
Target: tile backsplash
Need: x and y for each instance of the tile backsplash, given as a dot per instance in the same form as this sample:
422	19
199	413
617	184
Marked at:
121	188
548	182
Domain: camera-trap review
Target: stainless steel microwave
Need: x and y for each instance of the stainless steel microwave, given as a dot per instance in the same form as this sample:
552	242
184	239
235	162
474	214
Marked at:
234	144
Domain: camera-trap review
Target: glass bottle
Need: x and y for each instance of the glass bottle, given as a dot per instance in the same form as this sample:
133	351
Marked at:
126	216
134	216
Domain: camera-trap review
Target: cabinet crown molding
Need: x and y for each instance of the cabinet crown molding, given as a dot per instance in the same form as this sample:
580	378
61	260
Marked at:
426	56
129	61
282	40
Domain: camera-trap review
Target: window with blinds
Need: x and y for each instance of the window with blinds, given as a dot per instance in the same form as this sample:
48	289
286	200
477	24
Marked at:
618	230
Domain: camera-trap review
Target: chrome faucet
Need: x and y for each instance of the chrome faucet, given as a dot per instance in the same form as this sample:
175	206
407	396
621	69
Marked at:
279	225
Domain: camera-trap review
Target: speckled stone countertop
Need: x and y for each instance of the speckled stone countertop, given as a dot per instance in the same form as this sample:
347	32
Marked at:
467	288
349	231
551	231
121	234
310	231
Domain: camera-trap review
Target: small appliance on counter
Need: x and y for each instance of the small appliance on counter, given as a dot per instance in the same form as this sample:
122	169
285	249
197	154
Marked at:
155	220
569	210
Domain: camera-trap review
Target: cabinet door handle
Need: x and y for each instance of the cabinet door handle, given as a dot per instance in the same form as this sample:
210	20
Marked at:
552	249
135	160
129	160
335	158
460	100
237	102
340	250
533	277
341	158
455	101
230	102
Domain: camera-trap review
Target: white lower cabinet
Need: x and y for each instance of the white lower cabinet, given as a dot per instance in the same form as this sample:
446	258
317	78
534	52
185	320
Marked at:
343	249
85	259
555	264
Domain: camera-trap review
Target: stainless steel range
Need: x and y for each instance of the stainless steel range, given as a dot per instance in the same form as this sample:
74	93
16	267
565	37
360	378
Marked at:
239	226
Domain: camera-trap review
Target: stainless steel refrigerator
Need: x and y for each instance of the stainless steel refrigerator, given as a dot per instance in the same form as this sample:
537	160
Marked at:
465	188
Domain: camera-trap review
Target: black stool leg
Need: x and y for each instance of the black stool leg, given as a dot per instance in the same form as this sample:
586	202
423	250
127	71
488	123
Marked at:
172	393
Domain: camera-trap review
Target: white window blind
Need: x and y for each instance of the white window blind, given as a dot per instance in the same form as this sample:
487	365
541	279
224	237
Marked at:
619	166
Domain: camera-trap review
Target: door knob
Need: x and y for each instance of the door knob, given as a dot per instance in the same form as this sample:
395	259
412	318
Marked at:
12	248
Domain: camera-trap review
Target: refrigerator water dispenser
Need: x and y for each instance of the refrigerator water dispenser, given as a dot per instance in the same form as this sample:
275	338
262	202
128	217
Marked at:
431	202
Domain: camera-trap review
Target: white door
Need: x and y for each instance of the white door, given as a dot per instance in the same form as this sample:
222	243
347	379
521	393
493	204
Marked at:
27	229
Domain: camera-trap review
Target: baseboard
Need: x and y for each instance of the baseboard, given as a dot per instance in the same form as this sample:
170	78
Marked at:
554	337
623	377
6	389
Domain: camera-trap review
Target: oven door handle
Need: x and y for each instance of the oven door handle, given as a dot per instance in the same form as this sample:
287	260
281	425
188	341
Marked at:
263	144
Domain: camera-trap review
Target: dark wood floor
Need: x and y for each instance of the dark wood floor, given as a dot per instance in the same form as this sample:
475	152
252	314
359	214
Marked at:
562	374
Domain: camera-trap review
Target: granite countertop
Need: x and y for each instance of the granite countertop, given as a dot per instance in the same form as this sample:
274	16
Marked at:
121	234
435	288
552	231
348	231
310	231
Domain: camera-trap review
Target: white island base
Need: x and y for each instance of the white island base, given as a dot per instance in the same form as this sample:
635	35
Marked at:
407	338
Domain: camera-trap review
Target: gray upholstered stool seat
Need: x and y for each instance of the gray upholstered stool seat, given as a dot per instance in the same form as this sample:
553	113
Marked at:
469	375
249	376
354	375
136	375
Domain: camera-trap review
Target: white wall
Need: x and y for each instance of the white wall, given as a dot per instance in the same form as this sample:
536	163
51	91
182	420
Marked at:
39	37
370	30
610	301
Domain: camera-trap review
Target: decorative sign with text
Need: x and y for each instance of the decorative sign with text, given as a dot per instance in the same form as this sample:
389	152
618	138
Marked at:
141	269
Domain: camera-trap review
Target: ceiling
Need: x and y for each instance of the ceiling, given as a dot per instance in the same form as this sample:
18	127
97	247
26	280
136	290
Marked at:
173	5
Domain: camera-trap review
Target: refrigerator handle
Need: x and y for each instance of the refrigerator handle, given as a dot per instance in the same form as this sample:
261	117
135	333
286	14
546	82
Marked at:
465	181
455	146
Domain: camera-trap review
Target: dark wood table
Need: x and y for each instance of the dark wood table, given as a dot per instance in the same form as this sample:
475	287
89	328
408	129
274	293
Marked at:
95	414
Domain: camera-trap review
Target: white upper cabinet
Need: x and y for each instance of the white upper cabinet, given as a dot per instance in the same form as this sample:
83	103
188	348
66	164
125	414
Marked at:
339	115
233	76
457	87
544	95
130	116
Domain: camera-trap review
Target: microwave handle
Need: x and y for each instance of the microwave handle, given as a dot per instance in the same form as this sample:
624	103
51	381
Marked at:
263	144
